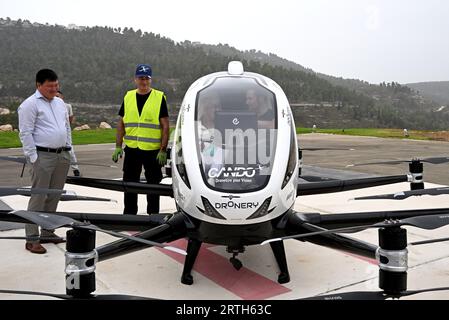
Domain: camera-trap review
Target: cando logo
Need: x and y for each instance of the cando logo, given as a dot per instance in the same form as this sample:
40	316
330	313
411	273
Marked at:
230	172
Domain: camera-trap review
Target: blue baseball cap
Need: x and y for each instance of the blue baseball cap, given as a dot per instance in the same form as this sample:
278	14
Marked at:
143	70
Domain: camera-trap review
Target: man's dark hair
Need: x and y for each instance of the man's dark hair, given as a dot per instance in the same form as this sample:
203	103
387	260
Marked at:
46	74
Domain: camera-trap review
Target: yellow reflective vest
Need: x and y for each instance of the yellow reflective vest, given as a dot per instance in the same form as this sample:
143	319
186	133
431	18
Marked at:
144	131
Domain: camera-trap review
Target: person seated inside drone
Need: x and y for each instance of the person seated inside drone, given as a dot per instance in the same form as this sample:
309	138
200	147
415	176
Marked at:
261	105
210	149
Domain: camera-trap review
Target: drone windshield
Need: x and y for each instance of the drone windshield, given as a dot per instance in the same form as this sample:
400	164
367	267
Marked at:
236	134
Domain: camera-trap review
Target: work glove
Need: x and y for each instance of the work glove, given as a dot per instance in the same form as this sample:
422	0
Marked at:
210	150
162	158
118	152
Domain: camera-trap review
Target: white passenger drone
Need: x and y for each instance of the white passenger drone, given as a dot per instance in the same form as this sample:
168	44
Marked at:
235	180
235	138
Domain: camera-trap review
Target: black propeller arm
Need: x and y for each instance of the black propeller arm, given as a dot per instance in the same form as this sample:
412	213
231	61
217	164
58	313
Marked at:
174	229
305	189
119	185
428	222
50	221
297	223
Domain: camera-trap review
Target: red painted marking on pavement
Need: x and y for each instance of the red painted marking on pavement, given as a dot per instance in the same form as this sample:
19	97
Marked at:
244	283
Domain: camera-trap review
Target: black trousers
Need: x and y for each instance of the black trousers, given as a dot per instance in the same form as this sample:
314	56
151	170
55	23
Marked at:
132	168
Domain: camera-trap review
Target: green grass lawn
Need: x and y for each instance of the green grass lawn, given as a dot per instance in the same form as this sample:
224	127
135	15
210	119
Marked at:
11	139
93	136
372	132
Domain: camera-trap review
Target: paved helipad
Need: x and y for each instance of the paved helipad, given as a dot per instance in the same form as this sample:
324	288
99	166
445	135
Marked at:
314	270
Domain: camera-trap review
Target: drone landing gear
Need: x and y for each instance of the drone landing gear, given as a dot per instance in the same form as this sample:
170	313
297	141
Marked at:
236	263
193	247
279	254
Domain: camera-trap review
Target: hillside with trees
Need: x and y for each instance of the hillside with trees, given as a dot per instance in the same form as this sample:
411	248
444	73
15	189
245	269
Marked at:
96	64
435	90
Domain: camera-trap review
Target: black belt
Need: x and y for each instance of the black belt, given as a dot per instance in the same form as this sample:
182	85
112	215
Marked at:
57	150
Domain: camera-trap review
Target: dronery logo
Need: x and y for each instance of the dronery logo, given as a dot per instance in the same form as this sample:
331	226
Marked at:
235	205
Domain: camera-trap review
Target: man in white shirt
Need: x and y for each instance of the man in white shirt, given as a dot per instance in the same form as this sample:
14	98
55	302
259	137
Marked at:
46	139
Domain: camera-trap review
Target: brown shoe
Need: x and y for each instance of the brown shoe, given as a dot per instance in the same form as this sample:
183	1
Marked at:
35	248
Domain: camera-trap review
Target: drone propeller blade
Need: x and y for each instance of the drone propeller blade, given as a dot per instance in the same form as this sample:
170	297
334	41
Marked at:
309	188
436	160
82	163
392	162
74	197
316	178
356	295
46	220
36	238
67	297
21	159
36	293
406	194
325	149
117	185
433	160
117	297
65	195
373	295
9	191
125	236
429	222
18	159
50	221
418	243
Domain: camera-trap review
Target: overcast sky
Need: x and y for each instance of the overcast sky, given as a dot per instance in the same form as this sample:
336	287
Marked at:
373	40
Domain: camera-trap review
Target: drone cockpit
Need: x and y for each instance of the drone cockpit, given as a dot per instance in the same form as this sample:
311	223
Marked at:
236	122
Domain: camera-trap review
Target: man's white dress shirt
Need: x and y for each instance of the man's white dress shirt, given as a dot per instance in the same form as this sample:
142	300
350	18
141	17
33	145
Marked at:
43	123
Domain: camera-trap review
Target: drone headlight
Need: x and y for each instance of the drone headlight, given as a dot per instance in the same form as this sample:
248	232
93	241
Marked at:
210	210
292	158
180	165
262	211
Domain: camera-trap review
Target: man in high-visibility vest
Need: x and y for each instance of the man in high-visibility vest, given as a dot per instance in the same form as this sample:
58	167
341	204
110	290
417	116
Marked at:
144	127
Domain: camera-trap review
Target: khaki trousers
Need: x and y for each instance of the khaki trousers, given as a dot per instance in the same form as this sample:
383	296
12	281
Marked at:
48	171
